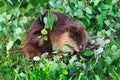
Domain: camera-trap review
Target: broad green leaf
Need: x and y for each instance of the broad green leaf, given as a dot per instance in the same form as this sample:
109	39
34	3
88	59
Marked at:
41	65
79	13
45	55
62	77
18	30
66	48
5	31
114	47
108	32
46	22
44	32
65	72
99	40
107	22
54	47
9	16
99	19
97	77
22	74
108	60
100	50
114	1
118	40
73	1
24	19
88	10
9	45
107	41
96	2
88	53
49	20
81	76
53	66
74	58
1	3
45	38
36	58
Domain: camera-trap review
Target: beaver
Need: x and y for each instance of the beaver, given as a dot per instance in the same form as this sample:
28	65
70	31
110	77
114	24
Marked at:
65	31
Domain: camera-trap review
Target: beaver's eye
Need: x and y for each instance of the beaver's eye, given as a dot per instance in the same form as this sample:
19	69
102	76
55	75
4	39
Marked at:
74	38
67	29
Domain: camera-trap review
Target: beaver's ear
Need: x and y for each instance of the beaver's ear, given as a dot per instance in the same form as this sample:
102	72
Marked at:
67	29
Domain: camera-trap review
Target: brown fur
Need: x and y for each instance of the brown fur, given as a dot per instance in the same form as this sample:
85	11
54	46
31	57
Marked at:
65	31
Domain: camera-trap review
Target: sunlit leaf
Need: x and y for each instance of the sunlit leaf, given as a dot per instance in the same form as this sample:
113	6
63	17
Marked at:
96	2
73	59
54	47
100	50
114	1
108	60
53	66
88	10
1	3
108	32
44	32
107	22
18	30
88	53
9	45
114	47
66	48
36	58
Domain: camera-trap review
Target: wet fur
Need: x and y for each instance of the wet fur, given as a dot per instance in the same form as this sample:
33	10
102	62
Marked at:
65	31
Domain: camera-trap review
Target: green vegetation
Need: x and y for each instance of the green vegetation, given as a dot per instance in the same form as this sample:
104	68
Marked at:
101	19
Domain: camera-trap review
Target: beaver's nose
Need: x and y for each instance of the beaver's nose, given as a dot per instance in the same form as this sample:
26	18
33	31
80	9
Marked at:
81	47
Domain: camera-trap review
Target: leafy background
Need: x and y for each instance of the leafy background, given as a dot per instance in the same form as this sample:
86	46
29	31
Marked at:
101	19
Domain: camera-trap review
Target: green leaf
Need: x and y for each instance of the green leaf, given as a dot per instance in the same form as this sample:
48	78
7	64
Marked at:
97	77
114	1
88	10
66	48
18	30
45	55
81	76
45	38
100	50
5	31
108	32
73	1
53	66
49	20
99	40
96	2
107	22
9	45
88	53
65	72
114	47
54	47
108	60
107	41
99	19
79	13
74	58
1	3
44	31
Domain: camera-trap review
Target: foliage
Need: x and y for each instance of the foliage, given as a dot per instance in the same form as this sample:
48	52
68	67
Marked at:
101	18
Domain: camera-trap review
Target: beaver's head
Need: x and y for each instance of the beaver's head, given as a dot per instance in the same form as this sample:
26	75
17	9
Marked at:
75	36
